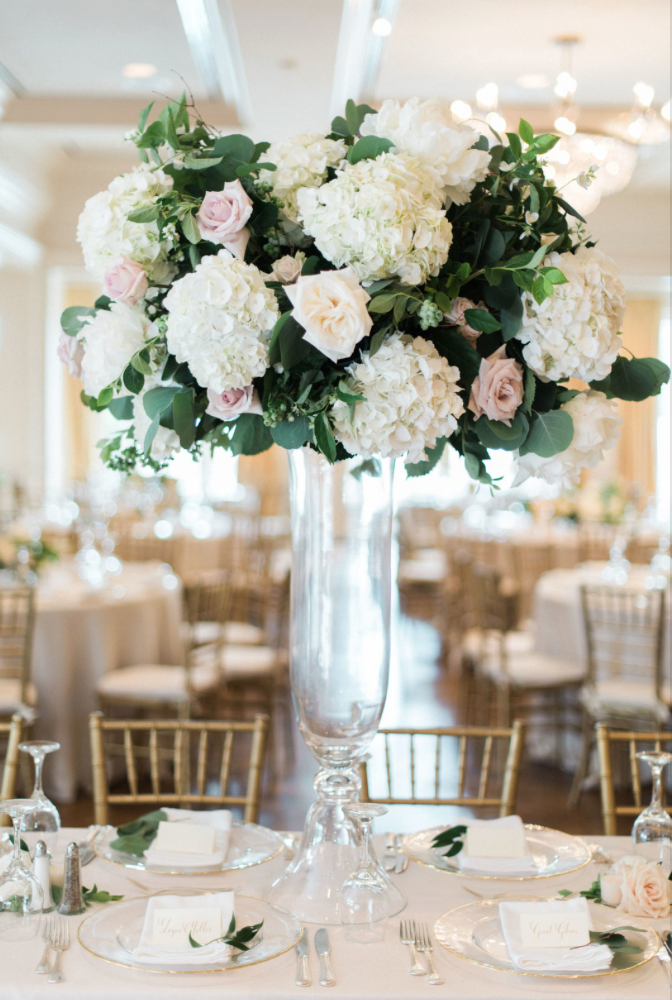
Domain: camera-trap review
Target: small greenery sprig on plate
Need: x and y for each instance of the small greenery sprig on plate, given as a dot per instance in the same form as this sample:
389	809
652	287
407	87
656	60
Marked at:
452	838
89	896
135	837
594	893
235	939
617	942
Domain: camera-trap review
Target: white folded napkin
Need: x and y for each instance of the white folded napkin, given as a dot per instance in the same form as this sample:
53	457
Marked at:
524	865
182	952
220	819
590	958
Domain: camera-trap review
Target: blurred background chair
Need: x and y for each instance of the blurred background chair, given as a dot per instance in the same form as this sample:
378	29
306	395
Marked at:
17	621
11	733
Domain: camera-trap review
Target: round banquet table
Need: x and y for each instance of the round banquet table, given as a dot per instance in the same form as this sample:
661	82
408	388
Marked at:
374	972
80	634
558	619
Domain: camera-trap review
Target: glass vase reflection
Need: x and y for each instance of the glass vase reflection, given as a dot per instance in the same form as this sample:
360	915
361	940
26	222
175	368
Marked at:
21	897
339	658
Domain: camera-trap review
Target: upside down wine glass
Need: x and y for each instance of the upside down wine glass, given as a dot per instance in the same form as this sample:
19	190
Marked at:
21	897
367	897
652	830
43	817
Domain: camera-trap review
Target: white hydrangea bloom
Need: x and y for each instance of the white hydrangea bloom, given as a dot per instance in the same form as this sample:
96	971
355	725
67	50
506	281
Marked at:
105	233
220	320
383	217
596	430
301	161
574	332
110	338
411	401
166	443
427	130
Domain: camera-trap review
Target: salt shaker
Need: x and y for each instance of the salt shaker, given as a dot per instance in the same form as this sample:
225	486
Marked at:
43	875
72	900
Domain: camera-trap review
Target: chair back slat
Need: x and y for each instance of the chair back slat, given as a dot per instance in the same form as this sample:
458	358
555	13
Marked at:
607	739
461	737
17	622
171	740
14	732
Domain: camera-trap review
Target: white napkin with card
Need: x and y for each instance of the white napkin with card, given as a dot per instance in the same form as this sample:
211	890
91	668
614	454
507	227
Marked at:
551	920
180	844
170	919
504	831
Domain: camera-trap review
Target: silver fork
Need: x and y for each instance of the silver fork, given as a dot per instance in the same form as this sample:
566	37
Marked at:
408	936
60	942
44	965
424	944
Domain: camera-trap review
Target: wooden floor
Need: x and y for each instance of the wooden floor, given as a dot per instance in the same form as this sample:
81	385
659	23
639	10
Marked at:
420	694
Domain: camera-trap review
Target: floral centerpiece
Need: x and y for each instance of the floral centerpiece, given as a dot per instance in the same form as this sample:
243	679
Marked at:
397	284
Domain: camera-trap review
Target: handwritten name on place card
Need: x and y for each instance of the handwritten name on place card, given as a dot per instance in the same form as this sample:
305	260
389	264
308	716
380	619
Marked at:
487	842
187	838
175	926
554	930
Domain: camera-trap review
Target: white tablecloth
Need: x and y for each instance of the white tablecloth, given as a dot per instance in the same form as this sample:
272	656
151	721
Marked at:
363	972
79	636
558	618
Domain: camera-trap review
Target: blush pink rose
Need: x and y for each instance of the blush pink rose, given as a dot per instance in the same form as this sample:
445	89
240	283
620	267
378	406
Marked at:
231	403
456	317
70	351
497	390
125	281
644	887
223	215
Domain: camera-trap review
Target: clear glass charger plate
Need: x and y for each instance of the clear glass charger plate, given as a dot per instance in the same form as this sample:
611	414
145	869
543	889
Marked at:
249	844
474	933
555	853
113	932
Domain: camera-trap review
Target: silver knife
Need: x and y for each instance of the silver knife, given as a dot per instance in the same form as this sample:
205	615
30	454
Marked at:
327	977
302	968
402	859
390	857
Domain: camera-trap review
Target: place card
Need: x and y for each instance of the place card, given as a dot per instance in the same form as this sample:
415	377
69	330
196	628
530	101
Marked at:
174	926
185	838
495	842
554	930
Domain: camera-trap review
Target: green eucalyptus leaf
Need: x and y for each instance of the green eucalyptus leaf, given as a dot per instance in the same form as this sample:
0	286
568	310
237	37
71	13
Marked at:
292	434
481	320
153	136
184	419
368	148
157	400
133	379
324	438
122	407
550	433
426	465
74	318
144	115
201	162
250	435
525	131
149	214
190	229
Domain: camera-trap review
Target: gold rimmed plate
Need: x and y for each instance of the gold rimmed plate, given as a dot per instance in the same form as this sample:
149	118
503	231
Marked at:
112	934
554	853
474	933
249	844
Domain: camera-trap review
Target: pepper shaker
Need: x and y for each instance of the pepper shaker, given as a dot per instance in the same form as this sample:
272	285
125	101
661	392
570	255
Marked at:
72	900
43	875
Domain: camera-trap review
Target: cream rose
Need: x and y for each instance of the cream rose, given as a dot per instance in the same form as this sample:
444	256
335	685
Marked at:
497	390
125	281
644	888
228	405
456	317
331	307
223	215
288	269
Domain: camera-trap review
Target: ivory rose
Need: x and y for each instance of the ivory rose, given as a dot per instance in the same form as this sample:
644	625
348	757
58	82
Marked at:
125	281
456	317
644	887
231	403
497	390
288	269
223	215
331	307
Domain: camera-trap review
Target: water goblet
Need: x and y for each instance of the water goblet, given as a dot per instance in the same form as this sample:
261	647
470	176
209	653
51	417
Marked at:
652	830
21	897
365	898
43	817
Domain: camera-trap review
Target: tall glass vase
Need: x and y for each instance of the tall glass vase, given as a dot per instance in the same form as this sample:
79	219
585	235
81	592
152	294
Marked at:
339	660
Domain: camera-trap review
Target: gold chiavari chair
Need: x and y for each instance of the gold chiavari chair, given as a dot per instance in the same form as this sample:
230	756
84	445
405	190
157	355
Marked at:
595	541
606	738
522	682
134	547
395	741
624	641
530	561
17	621
174	741
164	689
14	732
